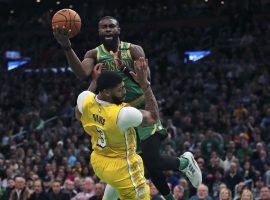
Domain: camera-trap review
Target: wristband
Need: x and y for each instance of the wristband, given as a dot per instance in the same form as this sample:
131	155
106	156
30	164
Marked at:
148	85
126	70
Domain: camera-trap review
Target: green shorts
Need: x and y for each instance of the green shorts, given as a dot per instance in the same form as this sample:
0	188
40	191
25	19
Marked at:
145	132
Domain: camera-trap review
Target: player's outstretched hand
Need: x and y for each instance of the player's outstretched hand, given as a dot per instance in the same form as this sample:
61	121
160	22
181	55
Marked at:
61	36
140	72
97	71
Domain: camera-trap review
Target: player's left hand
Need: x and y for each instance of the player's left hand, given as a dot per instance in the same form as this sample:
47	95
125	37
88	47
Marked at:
140	74
97	71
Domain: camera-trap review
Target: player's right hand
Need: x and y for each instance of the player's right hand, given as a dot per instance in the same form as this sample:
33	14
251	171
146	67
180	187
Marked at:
61	36
97	71
140	74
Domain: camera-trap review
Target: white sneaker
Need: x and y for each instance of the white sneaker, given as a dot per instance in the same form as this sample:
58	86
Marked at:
192	171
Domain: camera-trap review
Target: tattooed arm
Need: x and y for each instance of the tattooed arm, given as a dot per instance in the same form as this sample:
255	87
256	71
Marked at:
151	113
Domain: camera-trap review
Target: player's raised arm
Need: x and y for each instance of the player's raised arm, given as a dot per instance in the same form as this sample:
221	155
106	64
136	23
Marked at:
151	112
95	74
81	69
93	85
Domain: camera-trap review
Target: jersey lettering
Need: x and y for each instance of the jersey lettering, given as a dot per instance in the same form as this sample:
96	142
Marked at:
101	139
99	119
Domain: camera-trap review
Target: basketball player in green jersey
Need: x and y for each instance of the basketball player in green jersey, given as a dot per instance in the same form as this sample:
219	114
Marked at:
119	56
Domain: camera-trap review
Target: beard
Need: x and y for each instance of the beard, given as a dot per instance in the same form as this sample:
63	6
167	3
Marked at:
117	100
111	43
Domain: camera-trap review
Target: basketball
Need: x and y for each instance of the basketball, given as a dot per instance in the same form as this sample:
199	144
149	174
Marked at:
67	19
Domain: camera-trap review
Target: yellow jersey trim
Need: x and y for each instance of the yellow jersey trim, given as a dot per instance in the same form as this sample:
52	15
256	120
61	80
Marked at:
98	54
129	165
154	129
128	51
108	53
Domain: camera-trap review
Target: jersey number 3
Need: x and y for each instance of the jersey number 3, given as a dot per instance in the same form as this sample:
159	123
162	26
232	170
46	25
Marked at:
101	139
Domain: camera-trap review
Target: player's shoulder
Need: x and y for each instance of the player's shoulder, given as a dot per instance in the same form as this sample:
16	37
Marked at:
136	51
92	53
135	46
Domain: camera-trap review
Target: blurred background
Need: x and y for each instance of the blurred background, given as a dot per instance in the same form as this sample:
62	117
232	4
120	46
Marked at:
209	63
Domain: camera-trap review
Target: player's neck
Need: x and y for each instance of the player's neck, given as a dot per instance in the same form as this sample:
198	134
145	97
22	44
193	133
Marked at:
113	46
104	98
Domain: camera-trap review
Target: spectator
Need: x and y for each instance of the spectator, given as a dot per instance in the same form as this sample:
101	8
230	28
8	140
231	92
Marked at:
69	188
100	187
9	175
202	193
10	187
56	193
209	145
259	184
30	185
183	182
248	171
244	152
229	158
154	194
225	194
218	180
264	193
246	195
20	192
262	163
88	190
232	177
178	192
47	185
265	123
38	194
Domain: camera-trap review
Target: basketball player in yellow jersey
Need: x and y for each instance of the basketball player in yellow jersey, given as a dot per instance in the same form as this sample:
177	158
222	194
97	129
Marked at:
110	124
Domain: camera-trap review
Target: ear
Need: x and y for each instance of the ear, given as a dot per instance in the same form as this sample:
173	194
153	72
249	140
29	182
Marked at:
119	30
107	93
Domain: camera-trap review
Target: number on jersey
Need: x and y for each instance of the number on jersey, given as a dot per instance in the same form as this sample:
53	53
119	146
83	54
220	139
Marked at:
101	139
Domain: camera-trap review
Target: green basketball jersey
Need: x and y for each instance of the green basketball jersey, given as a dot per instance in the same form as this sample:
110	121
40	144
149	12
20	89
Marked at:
134	94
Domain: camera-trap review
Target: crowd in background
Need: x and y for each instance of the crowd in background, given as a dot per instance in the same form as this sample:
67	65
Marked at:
217	107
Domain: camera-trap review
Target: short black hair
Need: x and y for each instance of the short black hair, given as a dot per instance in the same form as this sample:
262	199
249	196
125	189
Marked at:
108	80
109	17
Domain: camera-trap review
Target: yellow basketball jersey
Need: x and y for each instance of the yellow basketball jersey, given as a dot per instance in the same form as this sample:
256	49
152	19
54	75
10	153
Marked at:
100	122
